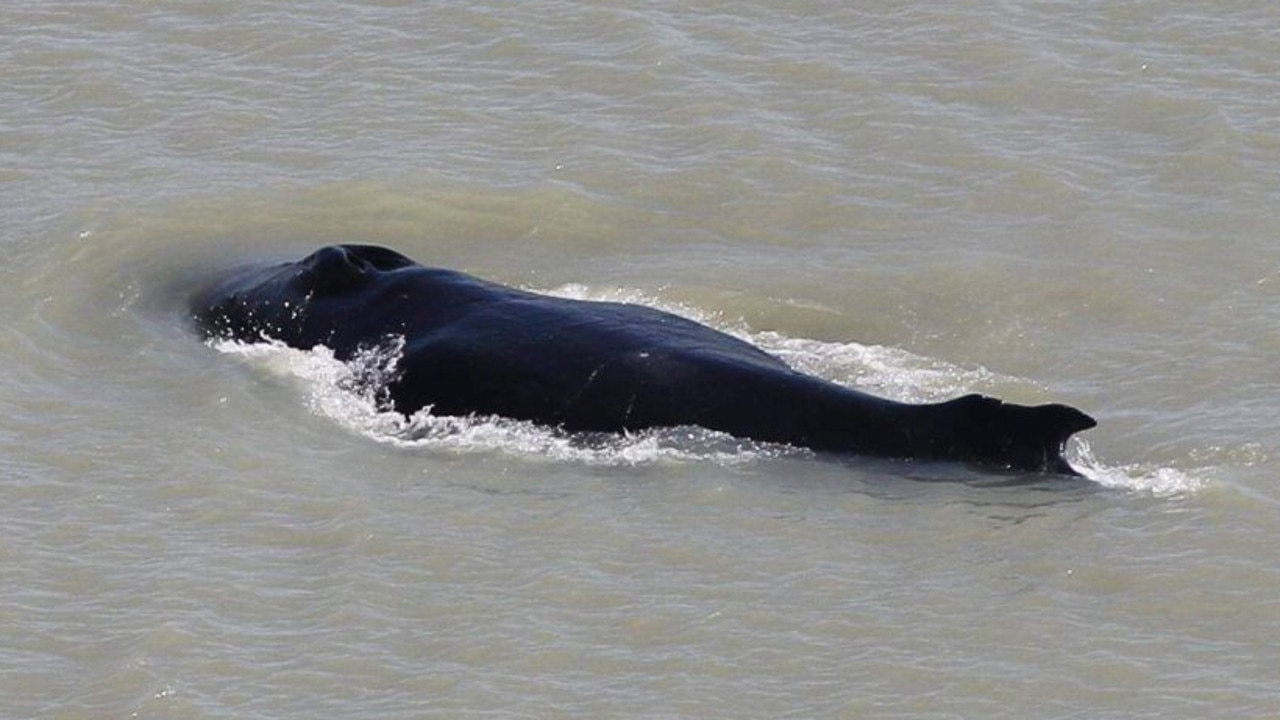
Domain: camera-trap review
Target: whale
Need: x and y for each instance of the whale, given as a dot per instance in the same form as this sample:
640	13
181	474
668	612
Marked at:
472	347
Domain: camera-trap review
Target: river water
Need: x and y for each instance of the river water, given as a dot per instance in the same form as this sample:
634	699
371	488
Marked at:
1046	201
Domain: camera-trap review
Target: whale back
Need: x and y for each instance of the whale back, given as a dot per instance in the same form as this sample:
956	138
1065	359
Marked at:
474	346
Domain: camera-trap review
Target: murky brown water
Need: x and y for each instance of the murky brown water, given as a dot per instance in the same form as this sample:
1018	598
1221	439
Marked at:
1068	201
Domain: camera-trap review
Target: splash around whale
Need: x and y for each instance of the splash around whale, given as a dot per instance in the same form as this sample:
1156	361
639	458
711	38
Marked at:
473	347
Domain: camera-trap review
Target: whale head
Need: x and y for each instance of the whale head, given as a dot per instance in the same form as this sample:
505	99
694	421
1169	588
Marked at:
256	303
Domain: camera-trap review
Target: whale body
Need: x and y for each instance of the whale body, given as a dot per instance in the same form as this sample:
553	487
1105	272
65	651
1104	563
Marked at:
474	347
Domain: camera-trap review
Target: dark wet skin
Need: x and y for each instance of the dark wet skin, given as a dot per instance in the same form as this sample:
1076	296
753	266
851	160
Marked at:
476	347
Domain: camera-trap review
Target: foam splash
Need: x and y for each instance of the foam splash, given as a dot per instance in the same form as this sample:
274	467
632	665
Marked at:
890	372
353	394
1156	481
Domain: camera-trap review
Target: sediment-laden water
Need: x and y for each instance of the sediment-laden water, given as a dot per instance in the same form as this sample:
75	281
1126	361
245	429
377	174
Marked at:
1068	202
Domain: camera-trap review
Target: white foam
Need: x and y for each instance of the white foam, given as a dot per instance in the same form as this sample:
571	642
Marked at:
890	372
886	371
350	394
1157	481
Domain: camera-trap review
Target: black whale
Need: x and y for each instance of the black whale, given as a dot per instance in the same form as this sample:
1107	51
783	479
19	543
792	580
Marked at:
476	347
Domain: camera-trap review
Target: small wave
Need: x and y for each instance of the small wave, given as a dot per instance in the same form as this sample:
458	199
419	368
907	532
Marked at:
1157	481
891	372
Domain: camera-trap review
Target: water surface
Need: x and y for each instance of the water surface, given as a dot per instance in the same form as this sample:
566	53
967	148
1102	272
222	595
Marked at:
1045	201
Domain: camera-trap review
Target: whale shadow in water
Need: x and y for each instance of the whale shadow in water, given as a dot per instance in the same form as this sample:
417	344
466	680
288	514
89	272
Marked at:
475	347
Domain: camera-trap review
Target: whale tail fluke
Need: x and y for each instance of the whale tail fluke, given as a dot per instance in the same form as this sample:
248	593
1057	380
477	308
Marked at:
1019	437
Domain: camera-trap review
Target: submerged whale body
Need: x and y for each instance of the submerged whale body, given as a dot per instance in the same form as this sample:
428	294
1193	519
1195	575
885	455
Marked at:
477	347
